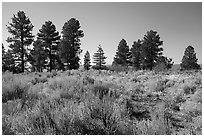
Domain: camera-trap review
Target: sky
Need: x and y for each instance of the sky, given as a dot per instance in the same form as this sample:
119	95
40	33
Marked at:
178	24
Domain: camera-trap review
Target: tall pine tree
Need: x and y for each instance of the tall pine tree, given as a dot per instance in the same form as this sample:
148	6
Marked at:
50	38
87	63
136	54
70	44
122	54
21	31
189	60
151	49
99	59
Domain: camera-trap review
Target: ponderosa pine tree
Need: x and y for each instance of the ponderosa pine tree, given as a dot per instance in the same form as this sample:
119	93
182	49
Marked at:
189	60
99	59
136	54
122	54
50	39
70	44
87	63
151	49
21	31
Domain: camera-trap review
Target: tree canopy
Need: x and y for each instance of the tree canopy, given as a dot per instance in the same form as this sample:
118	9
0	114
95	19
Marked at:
70	44
151	49
189	60
99	59
50	39
122	54
136	54
87	61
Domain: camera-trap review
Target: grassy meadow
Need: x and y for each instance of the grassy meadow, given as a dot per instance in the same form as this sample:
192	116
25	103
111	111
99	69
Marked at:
94	102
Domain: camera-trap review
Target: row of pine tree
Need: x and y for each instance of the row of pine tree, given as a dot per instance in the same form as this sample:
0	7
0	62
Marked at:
144	54
51	51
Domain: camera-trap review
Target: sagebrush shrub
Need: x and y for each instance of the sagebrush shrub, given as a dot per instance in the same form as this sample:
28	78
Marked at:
156	85
189	90
87	80
197	96
7	126
41	79
102	89
11	107
107	112
159	119
32	95
69	87
8	76
54	73
15	88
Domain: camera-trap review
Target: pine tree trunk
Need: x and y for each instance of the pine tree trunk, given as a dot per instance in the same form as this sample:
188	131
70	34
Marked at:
22	55
100	62
50	54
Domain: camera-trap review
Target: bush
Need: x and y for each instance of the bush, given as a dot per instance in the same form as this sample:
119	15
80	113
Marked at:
7	76
107	113
159	125
6	126
68	87
156	85
32	95
49	117
11	107
189	90
40	79
54	73
102	89
14	88
87	80
34	121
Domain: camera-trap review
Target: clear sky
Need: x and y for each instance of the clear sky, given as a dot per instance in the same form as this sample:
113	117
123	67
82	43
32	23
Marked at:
178	24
